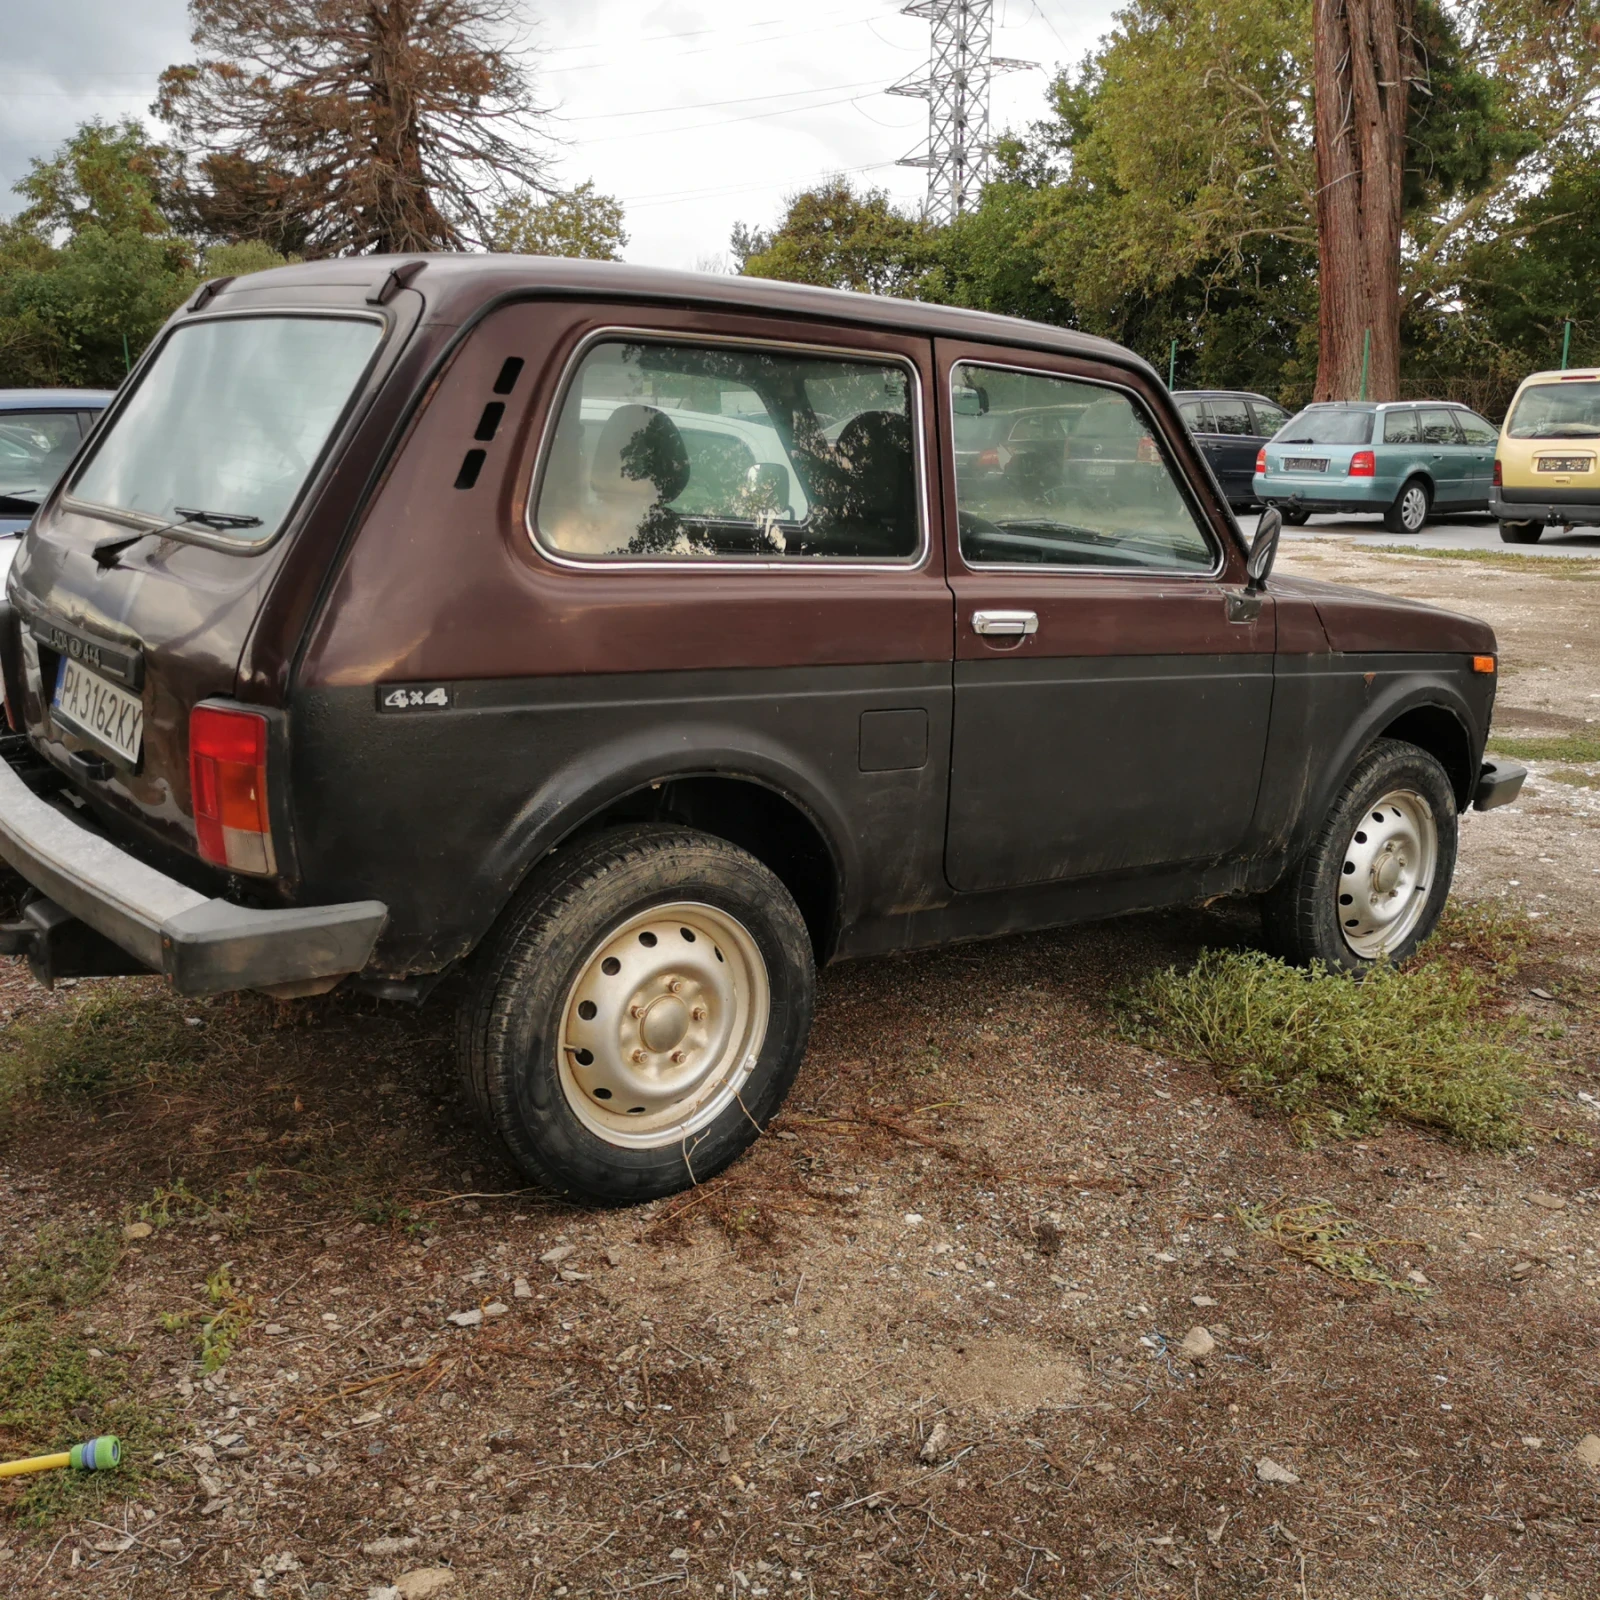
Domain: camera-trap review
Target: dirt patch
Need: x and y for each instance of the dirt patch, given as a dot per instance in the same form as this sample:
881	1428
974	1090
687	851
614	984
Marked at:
927	1339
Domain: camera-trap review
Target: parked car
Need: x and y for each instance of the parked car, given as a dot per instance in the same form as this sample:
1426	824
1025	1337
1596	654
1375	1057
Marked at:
393	625
1545	472
1231	426
1405	460
40	431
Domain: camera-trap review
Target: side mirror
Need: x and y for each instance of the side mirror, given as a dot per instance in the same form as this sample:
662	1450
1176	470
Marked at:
1264	548
969	400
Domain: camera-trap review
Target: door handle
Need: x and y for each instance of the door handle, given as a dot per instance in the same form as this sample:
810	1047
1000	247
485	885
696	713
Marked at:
1009	624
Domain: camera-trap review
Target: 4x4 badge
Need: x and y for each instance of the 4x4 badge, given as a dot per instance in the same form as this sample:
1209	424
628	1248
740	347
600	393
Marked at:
414	697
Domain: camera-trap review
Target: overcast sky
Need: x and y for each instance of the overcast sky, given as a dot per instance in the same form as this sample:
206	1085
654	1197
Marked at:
697	113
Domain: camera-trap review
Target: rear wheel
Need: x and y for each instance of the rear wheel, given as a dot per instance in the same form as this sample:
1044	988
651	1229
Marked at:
1296	517
1374	881
641	1015
1409	513
1520	532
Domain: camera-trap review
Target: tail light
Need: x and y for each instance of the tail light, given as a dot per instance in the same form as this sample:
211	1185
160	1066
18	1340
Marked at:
1363	464
1499	476
228	783
988	458
1147	454
1261	459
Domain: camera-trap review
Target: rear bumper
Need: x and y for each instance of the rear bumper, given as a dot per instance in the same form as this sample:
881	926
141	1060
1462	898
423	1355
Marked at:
1340	493
1580	514
205	946
1499	783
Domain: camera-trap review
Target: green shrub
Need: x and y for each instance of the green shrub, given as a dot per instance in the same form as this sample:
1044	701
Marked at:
1574	747
1338	1056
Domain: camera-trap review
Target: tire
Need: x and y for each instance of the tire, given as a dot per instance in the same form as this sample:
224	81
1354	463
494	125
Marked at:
1342	903
1520	532
1409	513
713	973
1295	518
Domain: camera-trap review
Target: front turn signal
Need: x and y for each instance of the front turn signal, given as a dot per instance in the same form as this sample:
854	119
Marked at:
1483	663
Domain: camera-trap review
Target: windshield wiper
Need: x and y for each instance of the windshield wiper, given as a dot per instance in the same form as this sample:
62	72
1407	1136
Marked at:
215	519
108	553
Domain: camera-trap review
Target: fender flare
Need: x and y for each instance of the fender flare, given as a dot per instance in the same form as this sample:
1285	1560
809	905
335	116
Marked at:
584	787
1433	691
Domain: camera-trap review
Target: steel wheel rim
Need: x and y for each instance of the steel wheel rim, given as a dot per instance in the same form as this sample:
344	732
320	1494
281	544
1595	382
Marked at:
1387	873
1414	507
663	1024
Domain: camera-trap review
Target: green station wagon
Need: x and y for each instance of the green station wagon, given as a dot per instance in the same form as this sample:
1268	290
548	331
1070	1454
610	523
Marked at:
1404	460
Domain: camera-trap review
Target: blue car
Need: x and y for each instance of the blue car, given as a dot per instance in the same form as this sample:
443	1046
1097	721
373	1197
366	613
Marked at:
40	431
1402	459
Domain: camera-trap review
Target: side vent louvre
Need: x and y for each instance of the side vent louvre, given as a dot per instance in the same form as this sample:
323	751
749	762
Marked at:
489	422
471	466
510	371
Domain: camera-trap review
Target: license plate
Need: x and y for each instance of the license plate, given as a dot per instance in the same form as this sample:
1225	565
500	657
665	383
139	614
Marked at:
1305	464
1100	469
1565	463
87	704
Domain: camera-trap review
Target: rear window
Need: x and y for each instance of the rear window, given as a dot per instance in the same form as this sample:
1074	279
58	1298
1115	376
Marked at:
1316	425
227	425
1569	410
35	447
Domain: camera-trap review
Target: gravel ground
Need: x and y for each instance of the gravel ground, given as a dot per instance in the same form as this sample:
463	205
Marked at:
932	1337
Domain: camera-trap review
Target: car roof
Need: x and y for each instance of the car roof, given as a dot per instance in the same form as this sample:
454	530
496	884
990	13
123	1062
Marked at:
1382	405
458	287
60	399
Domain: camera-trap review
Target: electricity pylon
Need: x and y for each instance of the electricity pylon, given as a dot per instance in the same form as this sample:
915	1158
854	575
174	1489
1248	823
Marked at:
957	91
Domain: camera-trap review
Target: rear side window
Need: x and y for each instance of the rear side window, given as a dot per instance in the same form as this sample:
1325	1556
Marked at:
1194	416
731	452
1327	425
1269	418
1103	496
1475	430
1438	426
1400	427
1232	416
228	424
35	447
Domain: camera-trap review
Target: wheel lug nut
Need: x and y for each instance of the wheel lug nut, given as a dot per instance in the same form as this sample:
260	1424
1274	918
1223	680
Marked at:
698	1014
680	1056
638	1055
674	985
636	1010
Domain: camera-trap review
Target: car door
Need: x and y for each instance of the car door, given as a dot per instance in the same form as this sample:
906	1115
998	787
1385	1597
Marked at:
1481	438
1236	446
1112	680
1446	455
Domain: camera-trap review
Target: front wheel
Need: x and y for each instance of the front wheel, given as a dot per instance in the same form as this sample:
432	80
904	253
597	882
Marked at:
1374	880
1409	513
1520	532
641	1015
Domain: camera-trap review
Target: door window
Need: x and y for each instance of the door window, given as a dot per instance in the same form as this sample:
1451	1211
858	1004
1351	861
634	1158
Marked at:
730	452
1400	427
1269	418
1475	430
1107	497
1438	426
1195	416
1231	416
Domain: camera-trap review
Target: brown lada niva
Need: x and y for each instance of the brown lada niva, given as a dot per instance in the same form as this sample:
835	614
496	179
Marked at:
633	642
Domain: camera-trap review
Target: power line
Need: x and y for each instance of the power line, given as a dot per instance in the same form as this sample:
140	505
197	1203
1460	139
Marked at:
711	105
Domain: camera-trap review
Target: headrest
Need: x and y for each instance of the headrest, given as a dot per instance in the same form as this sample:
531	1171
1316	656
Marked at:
641	444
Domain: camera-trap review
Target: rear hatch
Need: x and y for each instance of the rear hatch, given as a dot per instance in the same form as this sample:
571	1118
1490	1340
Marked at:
139	585
1550	446
1311	453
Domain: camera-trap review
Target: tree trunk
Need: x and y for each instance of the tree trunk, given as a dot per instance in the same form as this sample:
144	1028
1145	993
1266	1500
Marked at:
1364	58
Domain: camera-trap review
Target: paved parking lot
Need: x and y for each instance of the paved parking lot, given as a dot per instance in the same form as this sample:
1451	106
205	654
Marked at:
1463	533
